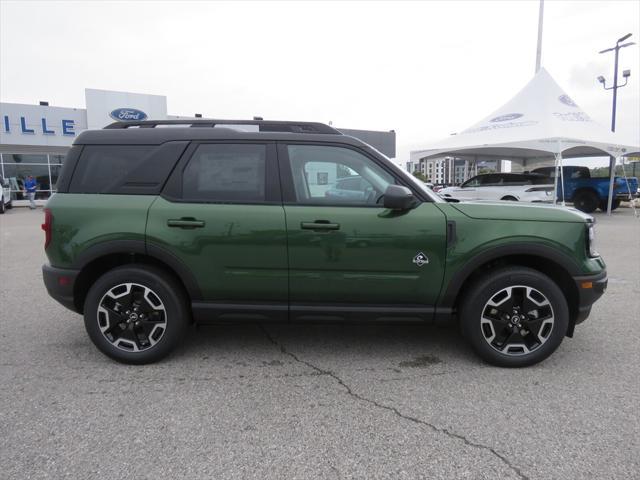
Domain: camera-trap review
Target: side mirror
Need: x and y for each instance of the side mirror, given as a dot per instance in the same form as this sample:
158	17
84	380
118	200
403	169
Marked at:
397	197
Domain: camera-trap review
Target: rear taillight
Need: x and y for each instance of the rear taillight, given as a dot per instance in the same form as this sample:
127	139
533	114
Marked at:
46	226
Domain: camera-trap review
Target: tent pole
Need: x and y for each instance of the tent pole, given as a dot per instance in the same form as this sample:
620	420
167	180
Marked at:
612	174
539	47
562	179
555	181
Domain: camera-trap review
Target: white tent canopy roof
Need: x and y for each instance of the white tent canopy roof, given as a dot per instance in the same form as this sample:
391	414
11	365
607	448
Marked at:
541	120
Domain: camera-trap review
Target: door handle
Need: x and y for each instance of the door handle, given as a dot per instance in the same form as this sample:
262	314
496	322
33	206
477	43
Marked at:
319	225
185	222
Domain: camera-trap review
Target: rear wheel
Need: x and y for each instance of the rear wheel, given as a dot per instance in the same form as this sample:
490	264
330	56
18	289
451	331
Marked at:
586	201
514	317
615	203
136	314
2	207
10	205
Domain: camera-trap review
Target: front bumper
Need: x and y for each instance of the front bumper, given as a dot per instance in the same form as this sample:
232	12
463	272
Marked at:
60	284
590	289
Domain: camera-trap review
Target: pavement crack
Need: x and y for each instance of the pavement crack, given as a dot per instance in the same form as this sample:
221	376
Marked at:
393	409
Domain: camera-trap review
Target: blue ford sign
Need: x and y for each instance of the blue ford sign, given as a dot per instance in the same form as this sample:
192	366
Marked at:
128	114
506	118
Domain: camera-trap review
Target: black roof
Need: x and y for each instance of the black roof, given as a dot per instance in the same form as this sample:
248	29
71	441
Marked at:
154	132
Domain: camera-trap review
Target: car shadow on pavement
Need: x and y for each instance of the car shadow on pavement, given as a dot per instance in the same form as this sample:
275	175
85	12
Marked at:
412	345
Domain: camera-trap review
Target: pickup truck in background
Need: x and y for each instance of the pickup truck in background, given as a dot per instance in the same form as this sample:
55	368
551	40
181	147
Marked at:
588	193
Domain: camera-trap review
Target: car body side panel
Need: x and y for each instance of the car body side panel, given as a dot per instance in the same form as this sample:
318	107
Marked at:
562	242
369	259
238	255
83	221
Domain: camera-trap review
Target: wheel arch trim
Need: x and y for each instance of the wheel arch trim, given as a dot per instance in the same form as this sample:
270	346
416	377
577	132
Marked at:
524	249
140	247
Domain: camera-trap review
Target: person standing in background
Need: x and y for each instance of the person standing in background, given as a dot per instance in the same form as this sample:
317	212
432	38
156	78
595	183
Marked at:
30	187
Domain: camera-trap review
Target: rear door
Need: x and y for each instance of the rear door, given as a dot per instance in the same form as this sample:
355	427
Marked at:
221	215
348	254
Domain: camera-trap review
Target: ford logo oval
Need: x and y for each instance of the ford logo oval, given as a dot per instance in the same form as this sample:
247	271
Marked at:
507	117
128	115
566	99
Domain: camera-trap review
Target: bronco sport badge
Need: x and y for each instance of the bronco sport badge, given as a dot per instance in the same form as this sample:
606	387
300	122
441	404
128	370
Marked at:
420	259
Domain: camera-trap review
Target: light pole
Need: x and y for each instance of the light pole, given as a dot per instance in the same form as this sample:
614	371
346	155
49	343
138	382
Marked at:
626	74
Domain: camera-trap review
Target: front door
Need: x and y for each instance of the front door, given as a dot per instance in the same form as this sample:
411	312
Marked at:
345	250
221	215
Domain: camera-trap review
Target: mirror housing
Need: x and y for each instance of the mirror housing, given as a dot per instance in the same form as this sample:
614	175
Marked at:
397	197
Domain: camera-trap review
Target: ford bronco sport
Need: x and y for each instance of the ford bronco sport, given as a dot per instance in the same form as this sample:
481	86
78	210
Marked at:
153	228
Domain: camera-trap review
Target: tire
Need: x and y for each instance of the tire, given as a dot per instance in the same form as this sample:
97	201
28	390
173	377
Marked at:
2	207
130	335
509	198
10	205
586	201
488	332
614	204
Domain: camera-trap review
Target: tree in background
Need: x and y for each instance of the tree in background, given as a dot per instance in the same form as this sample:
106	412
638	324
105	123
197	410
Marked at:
418	174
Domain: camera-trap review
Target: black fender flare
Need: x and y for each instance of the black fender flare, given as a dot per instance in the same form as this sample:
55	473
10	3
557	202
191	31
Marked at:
564	261
147	249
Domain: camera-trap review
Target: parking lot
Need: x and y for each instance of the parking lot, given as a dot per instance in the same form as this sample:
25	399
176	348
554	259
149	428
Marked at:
331	401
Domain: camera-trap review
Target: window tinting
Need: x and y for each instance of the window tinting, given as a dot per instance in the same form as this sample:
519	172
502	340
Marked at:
102	168
226	173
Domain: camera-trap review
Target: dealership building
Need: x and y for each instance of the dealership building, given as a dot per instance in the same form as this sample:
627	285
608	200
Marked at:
34	139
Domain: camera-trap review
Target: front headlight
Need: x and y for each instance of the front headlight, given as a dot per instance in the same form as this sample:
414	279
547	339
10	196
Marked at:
591	241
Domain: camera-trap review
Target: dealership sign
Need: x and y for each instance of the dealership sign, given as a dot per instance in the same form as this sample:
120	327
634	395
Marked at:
128	114
41	126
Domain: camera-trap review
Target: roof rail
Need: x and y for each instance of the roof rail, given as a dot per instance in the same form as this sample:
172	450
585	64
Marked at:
265	125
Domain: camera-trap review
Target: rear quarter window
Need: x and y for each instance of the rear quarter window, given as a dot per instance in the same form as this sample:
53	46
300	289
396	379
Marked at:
124	169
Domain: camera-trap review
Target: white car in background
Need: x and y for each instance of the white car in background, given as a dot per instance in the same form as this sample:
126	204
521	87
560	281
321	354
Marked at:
523	187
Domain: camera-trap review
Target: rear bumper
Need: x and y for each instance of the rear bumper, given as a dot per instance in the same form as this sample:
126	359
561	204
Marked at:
625	196
60	284
590	289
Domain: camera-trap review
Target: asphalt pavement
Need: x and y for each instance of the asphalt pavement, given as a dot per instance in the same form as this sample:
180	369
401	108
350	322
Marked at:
306	402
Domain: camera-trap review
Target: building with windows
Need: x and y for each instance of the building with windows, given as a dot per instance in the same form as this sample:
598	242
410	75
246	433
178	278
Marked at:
34	139
455	170
446	170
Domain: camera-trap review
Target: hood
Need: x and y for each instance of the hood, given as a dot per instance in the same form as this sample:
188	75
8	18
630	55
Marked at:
521	211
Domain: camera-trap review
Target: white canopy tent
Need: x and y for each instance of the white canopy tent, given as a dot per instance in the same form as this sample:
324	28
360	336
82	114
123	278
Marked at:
541	121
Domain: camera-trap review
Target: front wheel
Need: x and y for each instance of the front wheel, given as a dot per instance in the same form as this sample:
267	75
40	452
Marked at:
136	314
514	317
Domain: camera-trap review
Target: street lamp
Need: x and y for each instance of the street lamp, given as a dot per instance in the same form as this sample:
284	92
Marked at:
626	74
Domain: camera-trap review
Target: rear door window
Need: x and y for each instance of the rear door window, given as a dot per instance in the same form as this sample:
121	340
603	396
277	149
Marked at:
227	173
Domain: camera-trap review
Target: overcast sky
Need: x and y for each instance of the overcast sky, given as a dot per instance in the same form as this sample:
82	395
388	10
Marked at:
423	69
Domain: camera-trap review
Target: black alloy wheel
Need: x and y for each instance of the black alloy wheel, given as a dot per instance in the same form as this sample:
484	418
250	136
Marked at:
514	316
136	314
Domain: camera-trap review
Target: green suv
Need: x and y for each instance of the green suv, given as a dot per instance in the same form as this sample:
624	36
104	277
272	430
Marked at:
158	224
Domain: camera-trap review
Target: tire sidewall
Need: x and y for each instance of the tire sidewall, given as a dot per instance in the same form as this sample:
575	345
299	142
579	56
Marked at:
164	287
586	201
486	288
